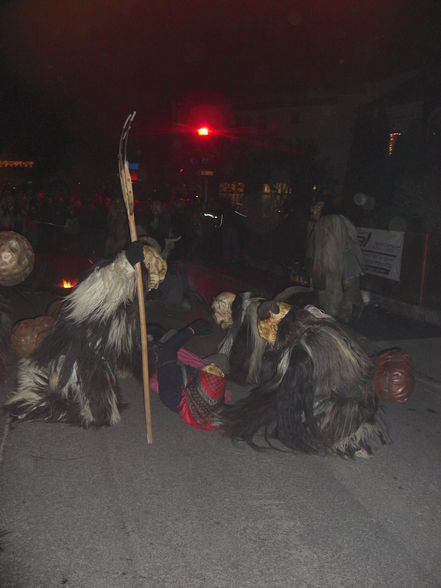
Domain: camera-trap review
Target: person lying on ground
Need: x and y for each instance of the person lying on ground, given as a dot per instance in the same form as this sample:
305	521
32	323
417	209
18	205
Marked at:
197	395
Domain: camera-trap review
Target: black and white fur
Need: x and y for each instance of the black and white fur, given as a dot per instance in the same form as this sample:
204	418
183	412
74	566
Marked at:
320	399
243	345
72	375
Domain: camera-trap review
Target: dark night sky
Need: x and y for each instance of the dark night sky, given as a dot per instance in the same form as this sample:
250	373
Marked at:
75	69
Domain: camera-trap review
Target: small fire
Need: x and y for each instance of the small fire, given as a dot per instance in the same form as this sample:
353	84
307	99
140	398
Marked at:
68	284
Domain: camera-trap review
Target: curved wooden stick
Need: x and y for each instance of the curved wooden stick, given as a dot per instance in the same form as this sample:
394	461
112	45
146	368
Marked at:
127	189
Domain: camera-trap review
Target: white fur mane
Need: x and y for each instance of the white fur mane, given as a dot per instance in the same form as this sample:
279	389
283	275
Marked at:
100	294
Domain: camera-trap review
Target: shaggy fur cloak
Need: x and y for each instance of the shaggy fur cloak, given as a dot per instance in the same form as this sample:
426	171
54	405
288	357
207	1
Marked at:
338	263
320	399
72	376
243	345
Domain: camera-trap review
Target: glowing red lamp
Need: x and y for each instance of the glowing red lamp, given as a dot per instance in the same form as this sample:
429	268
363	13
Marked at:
203	131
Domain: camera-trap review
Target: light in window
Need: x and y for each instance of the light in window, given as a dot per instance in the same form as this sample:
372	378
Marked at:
393	138
233	191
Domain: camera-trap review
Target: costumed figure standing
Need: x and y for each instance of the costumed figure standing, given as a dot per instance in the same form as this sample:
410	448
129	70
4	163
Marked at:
337	263
73	375
117	229
321	398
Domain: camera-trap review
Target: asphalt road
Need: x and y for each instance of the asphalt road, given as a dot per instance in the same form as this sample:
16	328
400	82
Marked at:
104	509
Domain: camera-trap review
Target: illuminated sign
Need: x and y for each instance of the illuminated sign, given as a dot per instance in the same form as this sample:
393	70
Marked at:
12	163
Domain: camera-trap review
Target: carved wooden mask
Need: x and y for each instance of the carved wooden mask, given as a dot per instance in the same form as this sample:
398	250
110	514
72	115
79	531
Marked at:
156	266
221	307
269	316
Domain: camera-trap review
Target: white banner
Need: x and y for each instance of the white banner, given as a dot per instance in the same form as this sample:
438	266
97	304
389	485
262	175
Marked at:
382	252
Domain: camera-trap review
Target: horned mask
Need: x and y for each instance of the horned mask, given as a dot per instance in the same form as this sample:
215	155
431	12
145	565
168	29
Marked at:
222	309
269	316
156	266
169	244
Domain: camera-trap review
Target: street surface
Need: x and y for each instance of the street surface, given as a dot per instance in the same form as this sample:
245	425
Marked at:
103	509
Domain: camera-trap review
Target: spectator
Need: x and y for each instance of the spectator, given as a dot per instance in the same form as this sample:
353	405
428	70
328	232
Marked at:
229	224
117	227
159	223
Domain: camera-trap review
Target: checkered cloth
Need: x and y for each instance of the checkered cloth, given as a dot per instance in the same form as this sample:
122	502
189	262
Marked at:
205	395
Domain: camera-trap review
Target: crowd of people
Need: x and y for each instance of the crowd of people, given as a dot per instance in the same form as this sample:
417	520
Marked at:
93	222
54	219
286	352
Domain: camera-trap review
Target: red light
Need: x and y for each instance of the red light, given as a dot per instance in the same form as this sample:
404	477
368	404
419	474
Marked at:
203	132
133	176
181	170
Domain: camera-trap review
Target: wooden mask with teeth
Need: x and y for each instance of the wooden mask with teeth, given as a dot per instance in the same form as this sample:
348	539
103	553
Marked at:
222	309
269	316
156	266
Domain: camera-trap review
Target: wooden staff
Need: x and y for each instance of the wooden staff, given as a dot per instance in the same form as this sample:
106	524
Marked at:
127	190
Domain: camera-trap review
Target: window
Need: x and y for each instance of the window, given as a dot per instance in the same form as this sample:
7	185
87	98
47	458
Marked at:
274	197
233	191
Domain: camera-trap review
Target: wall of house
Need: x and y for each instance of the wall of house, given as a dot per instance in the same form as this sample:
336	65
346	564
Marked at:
327	122
328	126
405	117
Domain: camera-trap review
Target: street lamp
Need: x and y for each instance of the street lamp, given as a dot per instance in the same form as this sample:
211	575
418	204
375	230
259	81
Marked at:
203	131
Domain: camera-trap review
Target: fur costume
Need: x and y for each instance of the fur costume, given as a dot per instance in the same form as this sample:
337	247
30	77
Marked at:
320	399
72	376
242	344
337	264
